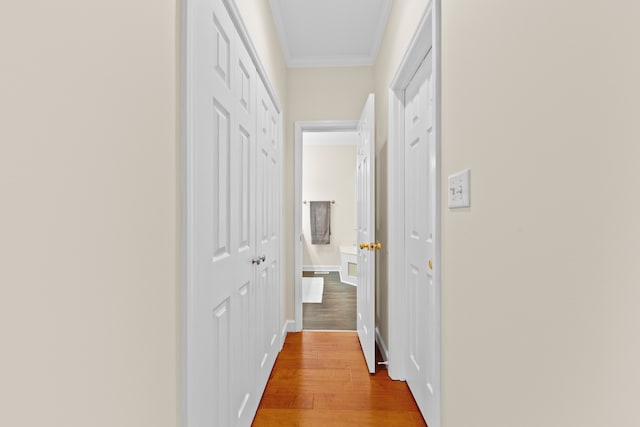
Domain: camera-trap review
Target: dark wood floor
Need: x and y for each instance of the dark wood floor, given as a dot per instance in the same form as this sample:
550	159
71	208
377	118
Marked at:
337	312
321	379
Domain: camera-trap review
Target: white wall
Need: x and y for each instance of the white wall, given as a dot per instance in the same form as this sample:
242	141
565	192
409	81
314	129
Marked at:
89	225
329	173
539	277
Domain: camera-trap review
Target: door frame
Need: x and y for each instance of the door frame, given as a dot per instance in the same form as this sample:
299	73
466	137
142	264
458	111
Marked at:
300	127
425	39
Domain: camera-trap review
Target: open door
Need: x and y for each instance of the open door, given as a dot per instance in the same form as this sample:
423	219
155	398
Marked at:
367	245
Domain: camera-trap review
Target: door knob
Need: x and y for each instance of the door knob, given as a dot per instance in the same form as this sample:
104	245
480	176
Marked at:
377	246
364	245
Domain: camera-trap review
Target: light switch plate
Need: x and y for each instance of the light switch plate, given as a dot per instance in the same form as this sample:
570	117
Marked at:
459	188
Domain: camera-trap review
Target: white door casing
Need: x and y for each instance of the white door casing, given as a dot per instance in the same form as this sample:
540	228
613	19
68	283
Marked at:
365	178
231	299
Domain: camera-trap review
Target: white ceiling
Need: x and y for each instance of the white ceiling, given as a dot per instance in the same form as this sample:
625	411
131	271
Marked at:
324	33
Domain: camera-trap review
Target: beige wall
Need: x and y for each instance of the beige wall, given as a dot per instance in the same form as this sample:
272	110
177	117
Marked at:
90	224
316	94
547	122
89	221
539	277
329	173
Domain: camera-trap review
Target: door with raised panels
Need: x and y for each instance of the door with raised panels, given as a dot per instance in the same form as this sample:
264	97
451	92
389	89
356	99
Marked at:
246	394
420	229
267	233
366	221
232	251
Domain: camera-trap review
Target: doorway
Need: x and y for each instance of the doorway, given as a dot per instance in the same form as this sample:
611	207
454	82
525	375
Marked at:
325	179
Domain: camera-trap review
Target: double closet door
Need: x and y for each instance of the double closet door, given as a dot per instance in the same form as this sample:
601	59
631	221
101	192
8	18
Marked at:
233	223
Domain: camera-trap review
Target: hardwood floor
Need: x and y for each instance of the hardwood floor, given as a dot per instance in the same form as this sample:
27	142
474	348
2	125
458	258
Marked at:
337	312
321	379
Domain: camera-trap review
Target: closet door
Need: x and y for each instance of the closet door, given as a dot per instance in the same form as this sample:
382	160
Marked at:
232	162
247	395
221	146
268	233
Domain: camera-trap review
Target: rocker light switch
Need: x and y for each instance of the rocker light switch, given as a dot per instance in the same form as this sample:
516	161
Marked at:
458	190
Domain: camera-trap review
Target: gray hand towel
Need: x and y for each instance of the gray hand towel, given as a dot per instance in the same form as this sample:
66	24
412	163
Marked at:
320	223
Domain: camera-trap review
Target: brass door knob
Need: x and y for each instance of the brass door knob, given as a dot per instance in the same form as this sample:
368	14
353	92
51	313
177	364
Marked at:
377	246
364	245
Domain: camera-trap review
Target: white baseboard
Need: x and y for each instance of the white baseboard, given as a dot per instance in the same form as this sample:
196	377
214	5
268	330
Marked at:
320	268
382	346
289	326
345	279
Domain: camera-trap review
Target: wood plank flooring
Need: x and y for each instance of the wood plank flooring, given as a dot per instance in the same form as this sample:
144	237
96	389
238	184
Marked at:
337	312
321	379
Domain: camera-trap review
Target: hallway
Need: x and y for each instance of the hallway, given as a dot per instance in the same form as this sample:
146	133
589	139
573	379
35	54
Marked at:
321	379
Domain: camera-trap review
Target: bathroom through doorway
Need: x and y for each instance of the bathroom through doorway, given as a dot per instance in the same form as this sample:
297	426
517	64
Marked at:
326	256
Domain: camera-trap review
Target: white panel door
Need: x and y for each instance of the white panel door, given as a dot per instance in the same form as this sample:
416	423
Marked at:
365	176
213	197
223	290
246	393
420	243
268	237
